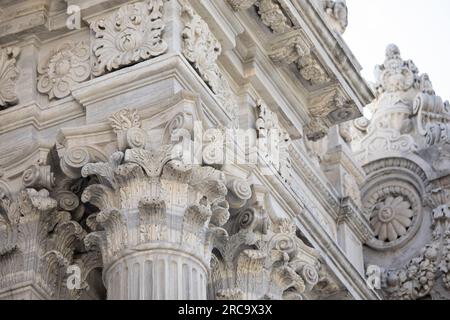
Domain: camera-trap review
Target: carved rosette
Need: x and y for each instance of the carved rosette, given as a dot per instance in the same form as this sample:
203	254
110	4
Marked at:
394	212
9	74
419	277
65	67
202	49
130	35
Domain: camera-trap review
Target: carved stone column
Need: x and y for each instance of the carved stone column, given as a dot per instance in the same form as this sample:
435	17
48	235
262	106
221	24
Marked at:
157	219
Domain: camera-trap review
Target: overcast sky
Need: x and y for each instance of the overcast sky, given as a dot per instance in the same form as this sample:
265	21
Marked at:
421	29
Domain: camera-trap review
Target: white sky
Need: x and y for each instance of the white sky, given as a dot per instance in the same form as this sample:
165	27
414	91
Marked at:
420	28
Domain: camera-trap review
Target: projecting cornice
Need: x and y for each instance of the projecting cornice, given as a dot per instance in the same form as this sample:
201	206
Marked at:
319	62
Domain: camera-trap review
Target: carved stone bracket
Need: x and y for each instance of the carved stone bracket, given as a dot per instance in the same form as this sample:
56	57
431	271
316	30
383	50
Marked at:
272	262
65	67
37	232
294	47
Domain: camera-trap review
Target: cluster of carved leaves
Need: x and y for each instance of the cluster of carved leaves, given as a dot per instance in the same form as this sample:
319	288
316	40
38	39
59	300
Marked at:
67	66
202	49
8	76
131	35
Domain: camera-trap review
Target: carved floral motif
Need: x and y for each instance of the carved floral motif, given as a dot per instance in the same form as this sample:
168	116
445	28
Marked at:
8	76
65	67
392	218
131	35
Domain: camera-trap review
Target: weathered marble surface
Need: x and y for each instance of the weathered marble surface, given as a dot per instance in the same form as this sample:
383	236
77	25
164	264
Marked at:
99	171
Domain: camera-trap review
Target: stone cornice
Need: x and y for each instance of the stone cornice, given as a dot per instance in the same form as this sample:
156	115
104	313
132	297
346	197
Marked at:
344	64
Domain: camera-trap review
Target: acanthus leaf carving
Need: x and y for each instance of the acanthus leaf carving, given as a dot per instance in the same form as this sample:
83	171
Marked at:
272	262
273	16
202	49
130	35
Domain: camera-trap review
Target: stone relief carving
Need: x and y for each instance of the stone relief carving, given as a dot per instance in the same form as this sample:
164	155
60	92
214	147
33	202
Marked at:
270	12
272	16
337	14
148	181
419	277
327	109
273	141
36	231
9	74
395	212
130	35
391	218
202	49
405	110
294	47
65	67
272	262
126	124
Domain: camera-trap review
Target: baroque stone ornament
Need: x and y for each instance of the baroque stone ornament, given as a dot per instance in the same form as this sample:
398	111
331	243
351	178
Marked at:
66	66
420	275
396	74
294	47
202	49
9	74
152	203
262	259
391	219
126	124
40	242
130	35
273	142
273	16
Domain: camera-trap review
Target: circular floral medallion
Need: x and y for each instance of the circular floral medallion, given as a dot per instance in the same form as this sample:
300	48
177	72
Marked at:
391	218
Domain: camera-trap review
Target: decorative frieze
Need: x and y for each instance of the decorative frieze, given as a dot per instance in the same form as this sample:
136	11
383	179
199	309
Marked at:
132	34
65	67
9	74
202	50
